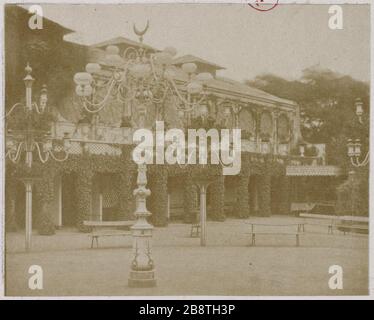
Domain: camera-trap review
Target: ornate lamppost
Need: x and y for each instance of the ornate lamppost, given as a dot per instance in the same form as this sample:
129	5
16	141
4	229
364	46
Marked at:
354	153
354	146
28	140
137	76
142	272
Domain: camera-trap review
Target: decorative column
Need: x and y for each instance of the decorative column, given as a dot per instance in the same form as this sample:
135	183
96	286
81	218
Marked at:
217	193
275	116
84	197
159	196
28	220
125	182
258	130
242	202
190	200
142	272
264	194
285	195
203	187
236	109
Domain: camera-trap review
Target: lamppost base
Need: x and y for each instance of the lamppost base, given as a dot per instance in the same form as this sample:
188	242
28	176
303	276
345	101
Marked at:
142	279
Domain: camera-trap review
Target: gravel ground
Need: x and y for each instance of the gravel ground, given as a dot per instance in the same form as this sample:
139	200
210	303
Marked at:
227	266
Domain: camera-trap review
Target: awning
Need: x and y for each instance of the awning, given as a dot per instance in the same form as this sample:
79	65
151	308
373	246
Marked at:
302	171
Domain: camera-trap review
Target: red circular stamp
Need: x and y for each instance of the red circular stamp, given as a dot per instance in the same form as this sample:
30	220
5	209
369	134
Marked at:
264	5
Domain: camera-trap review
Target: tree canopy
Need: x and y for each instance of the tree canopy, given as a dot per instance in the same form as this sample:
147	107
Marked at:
327	107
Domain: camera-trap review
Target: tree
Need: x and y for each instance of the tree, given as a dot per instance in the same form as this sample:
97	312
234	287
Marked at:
327	107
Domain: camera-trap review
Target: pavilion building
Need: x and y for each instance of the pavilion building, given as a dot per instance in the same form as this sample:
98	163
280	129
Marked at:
97	181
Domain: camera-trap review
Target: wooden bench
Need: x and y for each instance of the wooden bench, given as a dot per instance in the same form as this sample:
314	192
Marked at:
195	230
195	225
353	228
330	221
342	223
298	226
108	229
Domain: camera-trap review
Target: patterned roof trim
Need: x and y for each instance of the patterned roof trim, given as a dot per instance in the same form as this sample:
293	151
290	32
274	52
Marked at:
296	171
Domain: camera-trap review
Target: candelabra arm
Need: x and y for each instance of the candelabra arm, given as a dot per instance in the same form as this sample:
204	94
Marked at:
40	153
12	108
34	104
17	155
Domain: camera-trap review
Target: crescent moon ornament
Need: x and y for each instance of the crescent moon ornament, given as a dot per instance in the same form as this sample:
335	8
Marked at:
142	32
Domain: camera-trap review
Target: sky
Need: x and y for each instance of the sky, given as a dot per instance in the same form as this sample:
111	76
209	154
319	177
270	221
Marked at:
283	41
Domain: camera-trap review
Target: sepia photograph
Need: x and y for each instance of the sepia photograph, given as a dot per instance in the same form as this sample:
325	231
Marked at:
186	150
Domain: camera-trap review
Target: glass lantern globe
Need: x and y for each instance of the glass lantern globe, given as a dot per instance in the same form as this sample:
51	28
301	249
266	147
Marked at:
194	88
10	145
189	67
67	143
112	50
163	58
83	78
351	148
93	68
47	146
204	76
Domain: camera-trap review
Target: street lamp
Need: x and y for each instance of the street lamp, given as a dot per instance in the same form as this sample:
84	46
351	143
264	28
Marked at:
354	146
27	139
143	78
142	272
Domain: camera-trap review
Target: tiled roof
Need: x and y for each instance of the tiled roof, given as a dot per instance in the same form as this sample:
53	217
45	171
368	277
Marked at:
312	171
231	87
191	58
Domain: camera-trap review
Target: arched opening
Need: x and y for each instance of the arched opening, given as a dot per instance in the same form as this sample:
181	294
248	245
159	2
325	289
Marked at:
105	197
247	124
175	198
283	129
266	127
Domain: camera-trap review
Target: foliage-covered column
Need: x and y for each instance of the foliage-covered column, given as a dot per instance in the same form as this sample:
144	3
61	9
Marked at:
126	185
126	197
44	188
264	195
190	200
242	200
10	202
285	195
83	189
159	196
217	199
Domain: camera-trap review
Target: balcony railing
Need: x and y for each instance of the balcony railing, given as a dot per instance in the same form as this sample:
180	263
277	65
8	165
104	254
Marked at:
306	161
101	135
